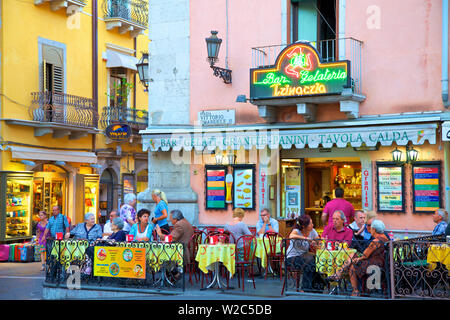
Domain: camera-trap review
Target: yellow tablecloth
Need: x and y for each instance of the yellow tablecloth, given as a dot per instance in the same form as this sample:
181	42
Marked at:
158	252
439	253
261	250
207	254
327	261
67	251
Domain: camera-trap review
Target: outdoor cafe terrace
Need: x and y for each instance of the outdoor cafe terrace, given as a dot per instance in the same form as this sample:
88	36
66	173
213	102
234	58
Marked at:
412	268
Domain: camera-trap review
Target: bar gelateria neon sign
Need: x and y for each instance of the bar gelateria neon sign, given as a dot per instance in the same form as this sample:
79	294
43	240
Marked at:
298	71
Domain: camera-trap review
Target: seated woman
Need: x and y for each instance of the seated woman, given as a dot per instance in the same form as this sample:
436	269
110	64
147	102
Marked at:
142	230
118	234
358	263
238	228
87	230
299	255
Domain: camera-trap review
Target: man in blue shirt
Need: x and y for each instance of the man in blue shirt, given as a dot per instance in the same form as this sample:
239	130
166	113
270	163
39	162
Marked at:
440	218
57	223
266	223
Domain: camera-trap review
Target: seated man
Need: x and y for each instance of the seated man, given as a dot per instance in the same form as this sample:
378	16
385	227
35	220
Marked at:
337	231
266	223
107	231
361	236
440	218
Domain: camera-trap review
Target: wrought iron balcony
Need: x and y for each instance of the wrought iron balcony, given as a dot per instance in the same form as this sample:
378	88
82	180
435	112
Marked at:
127	15
137	119
329	50
71	6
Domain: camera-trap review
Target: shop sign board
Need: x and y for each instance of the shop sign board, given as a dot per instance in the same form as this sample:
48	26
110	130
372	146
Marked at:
119	262
426	187
298	72
118	131
263	186
287	139
390	178
366	185
217	117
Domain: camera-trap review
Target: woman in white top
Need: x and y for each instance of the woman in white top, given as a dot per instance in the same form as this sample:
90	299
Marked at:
142	231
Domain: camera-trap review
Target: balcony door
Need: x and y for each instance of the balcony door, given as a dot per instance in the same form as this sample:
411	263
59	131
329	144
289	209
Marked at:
315	21
118	94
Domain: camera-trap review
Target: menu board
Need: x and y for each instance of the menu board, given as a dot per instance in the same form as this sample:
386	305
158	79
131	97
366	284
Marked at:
426	187
119	262
215	187
390	188
244	187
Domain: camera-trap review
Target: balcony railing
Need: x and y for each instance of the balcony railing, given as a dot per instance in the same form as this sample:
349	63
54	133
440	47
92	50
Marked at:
63	109
329	50
135	11
135	118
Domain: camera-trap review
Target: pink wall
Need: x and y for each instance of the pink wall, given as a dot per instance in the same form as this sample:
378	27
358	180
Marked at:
402	59
250	24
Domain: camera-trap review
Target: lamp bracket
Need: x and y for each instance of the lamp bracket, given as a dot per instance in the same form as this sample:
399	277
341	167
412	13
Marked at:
225	74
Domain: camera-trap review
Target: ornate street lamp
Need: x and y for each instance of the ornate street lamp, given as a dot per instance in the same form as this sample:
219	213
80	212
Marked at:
219	157
411	154
231	157
397	155
142	68
213	48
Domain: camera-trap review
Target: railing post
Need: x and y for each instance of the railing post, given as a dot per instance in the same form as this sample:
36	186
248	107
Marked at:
391	269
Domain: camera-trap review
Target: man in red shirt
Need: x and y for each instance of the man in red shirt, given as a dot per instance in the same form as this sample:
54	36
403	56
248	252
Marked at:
337	230
339	203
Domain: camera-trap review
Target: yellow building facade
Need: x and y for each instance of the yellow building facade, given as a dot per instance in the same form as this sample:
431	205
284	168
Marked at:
68	75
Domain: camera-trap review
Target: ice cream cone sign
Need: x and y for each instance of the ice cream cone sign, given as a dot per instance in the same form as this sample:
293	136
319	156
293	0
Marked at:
229	183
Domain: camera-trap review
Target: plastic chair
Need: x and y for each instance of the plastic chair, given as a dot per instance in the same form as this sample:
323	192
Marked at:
248	250
270	246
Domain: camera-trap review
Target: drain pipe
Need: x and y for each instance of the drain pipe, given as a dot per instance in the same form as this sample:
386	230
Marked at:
445	53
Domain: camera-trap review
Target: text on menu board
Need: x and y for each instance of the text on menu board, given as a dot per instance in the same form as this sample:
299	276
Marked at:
119	262
243	188
426	188
215	188
390	187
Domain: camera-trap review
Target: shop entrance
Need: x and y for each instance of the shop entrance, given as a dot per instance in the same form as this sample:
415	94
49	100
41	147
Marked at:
307	184
106	196
49	189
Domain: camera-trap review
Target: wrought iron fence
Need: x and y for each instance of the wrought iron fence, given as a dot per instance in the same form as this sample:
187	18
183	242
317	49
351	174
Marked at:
136	118
420	268
331	267
63	108
135	11
329	50
70	264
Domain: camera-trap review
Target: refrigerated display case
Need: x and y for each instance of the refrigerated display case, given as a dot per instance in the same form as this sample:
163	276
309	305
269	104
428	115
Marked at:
87	196
15	205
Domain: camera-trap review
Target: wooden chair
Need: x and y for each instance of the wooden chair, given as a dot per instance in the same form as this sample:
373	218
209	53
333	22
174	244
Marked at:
248	250
270	246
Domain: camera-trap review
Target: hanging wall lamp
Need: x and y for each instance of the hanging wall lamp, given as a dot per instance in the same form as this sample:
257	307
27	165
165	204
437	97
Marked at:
213	48
142	68
411	155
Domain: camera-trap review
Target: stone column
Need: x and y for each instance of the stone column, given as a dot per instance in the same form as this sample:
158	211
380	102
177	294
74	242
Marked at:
169	102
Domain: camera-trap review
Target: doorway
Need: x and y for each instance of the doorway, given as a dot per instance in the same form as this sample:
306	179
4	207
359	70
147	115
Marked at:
106	197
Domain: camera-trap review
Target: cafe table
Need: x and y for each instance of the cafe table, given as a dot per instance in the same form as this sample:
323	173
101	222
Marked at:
439	253
209	257
328	261
260	251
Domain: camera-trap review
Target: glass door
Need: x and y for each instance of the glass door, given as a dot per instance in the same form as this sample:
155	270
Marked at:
291	188
18	207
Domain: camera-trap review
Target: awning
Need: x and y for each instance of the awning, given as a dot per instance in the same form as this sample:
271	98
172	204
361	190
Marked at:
51	155
287	139
116	59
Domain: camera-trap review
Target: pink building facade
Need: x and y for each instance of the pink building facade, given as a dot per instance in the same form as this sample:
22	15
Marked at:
327	90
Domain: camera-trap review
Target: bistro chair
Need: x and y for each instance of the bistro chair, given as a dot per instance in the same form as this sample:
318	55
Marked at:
270	246
245	259
156	237
253	231
290	269
210	229
193	245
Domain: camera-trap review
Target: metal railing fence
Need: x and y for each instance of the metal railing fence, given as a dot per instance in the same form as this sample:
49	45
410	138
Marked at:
135	11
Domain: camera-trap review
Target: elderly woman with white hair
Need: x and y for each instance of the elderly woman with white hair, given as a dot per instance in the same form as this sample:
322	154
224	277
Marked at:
127	211
87	230
373	255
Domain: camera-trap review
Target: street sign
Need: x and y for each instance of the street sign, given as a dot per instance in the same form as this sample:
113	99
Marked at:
118	131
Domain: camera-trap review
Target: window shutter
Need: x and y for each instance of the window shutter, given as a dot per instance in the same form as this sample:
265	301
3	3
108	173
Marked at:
58	79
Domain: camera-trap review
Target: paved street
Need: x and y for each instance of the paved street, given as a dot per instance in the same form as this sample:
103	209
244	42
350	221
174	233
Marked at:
23	281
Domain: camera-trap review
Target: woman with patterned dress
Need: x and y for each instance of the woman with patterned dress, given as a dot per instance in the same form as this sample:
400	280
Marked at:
41	240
